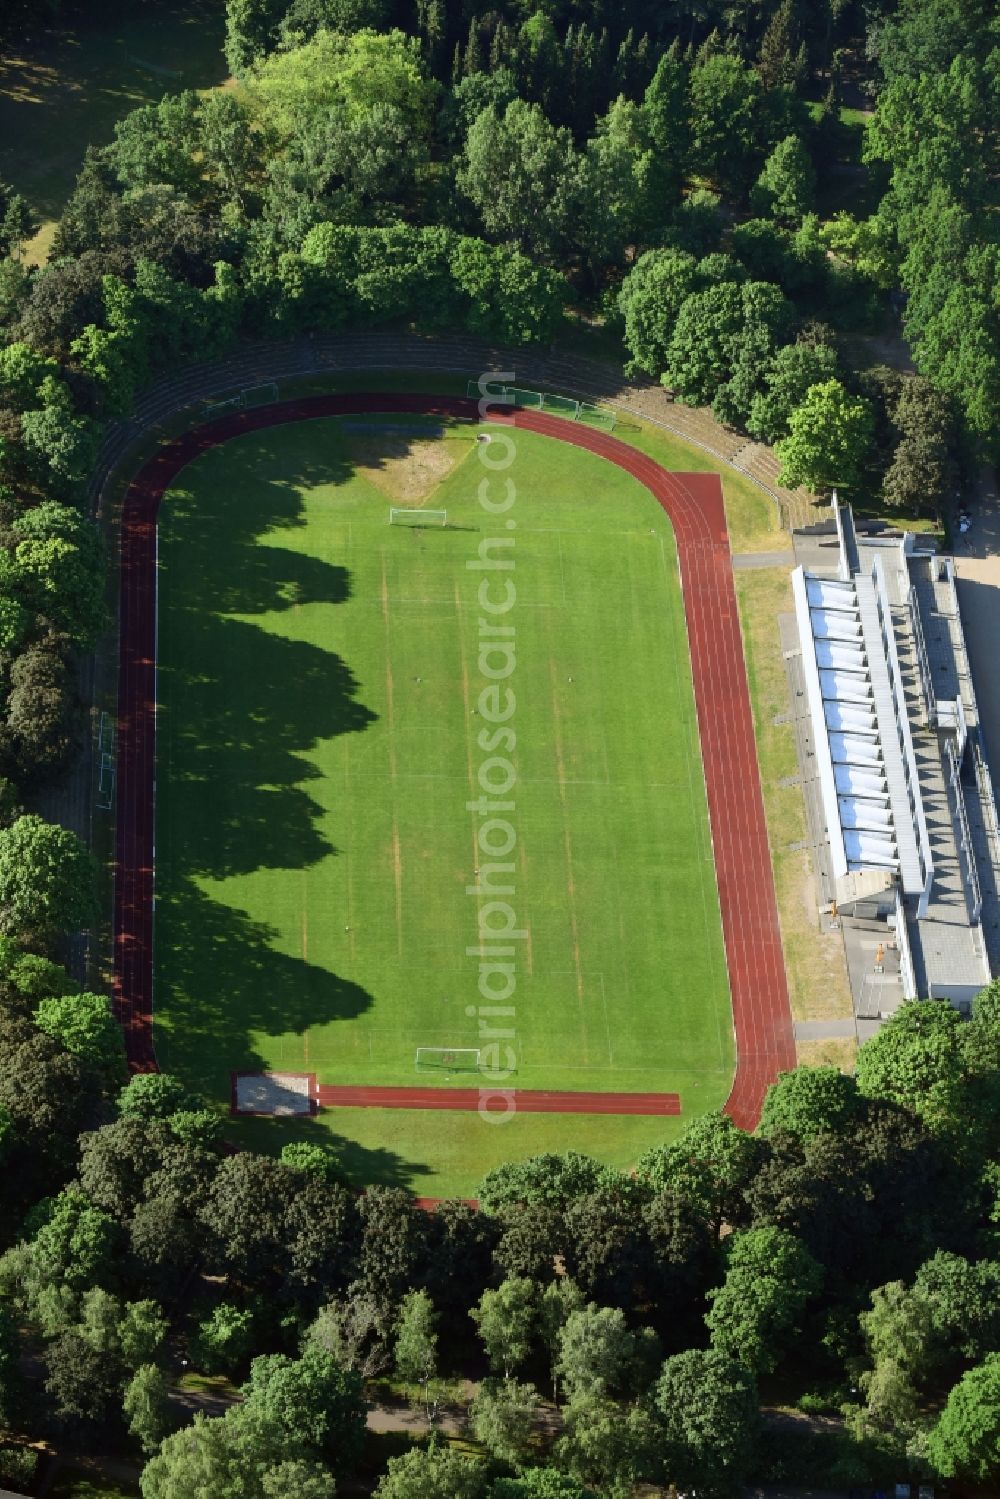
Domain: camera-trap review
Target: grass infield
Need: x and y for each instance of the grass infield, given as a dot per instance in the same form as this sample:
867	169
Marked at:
318	685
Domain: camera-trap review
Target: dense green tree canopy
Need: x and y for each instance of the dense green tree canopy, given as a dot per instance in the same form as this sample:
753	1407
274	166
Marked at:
520	172
502	1416
829	436
707	1166
718	330
916	1058
433	1474
314	1402
506	1320
725	112
795	369
652	295
348	73
599	1354
809	1101
46	879
708	1405
966	1439
85	1025
786	186
770	1276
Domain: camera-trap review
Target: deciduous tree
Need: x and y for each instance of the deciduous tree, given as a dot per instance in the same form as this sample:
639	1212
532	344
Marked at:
965	1442
599	1354
224	1340
147	1407
85	1025
810	1101
608	1445
651	297
520	171
417	1340
152	1095
916	1059
829	438
795	369
313	1401
708	1406
725	97
46	879
436	1473
707	1166
769	1278
506	1319
502	1413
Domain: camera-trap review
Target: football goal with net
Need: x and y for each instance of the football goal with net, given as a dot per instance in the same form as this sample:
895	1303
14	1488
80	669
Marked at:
259	395
222	404
417	517
447	1059
545	400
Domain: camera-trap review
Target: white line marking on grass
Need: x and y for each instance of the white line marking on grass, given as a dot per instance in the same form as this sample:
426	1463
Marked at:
467	704
529	946
567	839
607	1022
562	570
397	857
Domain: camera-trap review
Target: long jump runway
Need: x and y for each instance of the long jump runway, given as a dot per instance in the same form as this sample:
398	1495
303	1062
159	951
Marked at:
762	1017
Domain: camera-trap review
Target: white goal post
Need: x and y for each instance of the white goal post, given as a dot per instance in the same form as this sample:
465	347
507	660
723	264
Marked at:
447	1059
259	395
219	406
417	517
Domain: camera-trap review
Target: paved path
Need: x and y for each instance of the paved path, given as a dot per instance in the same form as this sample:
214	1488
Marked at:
764	1040
825	1030
748	561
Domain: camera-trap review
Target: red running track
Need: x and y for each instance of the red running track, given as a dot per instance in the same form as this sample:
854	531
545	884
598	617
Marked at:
504	1100
763	1024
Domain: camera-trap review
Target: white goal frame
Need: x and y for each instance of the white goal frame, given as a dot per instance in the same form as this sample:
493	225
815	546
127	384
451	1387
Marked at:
219	406
259	395
448	1059
405	517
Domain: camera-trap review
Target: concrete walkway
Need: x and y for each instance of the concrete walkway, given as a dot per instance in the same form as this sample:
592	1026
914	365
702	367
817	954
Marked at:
825	1030
749	561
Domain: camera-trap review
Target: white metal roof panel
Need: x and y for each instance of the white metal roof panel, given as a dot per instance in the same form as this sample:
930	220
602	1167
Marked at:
849	716
853	749
870	850
856	812
826	595
829	625
837	655
852	781
845	686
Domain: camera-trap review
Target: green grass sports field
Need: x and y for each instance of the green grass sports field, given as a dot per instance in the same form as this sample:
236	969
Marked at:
317	751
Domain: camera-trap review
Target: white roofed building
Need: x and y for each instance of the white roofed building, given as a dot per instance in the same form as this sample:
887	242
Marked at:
898	778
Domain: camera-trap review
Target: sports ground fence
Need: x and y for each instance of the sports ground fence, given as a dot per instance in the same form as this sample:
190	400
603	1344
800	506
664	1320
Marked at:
244	398
502	395
543	400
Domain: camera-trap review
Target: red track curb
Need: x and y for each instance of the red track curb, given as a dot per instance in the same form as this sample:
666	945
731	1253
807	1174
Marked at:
763	1023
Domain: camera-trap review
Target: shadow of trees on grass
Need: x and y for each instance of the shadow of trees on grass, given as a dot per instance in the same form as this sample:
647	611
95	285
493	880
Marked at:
241	709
